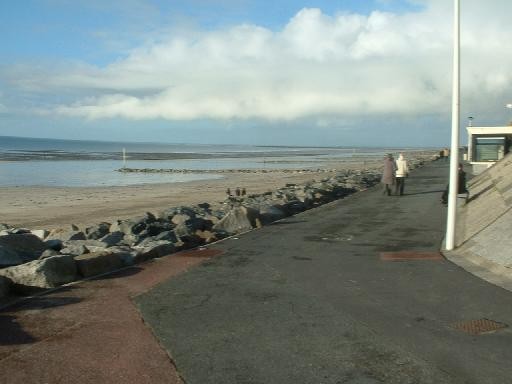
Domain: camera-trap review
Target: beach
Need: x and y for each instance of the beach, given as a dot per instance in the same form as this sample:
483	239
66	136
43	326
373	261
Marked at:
50	207
80	183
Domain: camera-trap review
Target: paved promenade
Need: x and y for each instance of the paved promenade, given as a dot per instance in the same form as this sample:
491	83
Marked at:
353	292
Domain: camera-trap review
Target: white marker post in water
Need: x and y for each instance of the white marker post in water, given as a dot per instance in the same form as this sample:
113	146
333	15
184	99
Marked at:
454	152
124	157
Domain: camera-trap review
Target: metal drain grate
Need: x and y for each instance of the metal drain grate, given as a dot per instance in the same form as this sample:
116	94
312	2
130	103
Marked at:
410	255
480	326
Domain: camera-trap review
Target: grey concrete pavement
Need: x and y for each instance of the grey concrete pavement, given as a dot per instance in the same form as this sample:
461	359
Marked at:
317	298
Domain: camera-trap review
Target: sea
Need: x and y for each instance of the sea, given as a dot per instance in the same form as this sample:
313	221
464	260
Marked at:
79	163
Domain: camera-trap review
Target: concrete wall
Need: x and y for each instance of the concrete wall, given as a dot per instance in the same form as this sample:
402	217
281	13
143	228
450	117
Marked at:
484	224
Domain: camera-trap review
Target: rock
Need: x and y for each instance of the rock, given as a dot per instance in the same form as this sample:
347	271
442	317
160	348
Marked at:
97	263
169	213
182	231
18	231
47	273
199	223
75	249
294	207
54	244
271	213
41	233
126	254
49	253
5	286
157	227
205	207
130	240
112	238
152	249
65	234
181	218
98	231
25	245
206	236
238	219
8	257
95	249
168	236
79	247
212	218
133	226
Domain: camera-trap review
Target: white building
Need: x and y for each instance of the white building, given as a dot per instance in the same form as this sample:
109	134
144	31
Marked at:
487	145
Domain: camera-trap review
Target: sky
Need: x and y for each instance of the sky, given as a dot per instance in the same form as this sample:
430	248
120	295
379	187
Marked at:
325	73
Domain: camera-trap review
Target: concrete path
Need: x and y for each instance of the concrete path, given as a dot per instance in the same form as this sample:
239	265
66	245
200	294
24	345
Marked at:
352	292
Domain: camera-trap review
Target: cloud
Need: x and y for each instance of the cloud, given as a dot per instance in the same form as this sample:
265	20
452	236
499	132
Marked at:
318	65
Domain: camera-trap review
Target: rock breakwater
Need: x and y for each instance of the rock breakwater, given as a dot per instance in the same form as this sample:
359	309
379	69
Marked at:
185	171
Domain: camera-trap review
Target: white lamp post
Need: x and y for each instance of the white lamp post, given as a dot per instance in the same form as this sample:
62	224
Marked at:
454	152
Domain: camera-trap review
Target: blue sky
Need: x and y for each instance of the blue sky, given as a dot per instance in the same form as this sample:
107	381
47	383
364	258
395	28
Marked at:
97	31
246	71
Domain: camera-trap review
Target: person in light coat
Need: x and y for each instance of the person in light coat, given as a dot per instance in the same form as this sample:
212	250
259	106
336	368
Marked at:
388	174
402	170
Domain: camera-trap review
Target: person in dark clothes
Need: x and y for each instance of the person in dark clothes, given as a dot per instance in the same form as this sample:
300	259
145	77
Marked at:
388	174
461	188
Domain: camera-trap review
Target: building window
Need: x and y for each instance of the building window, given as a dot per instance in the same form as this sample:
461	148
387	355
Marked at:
489	148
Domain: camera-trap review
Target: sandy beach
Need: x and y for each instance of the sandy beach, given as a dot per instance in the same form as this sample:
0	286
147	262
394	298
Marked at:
50	207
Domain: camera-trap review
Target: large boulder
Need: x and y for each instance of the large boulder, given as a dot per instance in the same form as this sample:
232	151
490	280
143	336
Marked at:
294	207
75	249
54	244
96	263
41	233
46	273
169	213
134	225
26	245
182	218
8	257
48	253
5	285
271	213
66	234
127	254
96	232
152	249
207	236
157	227
112	238
18	231
238	219
169	236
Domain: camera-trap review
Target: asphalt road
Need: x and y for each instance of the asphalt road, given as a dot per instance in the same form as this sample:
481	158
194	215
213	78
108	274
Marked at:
316	299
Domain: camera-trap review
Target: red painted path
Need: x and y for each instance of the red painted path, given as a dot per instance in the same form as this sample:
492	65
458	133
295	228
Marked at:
90	332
